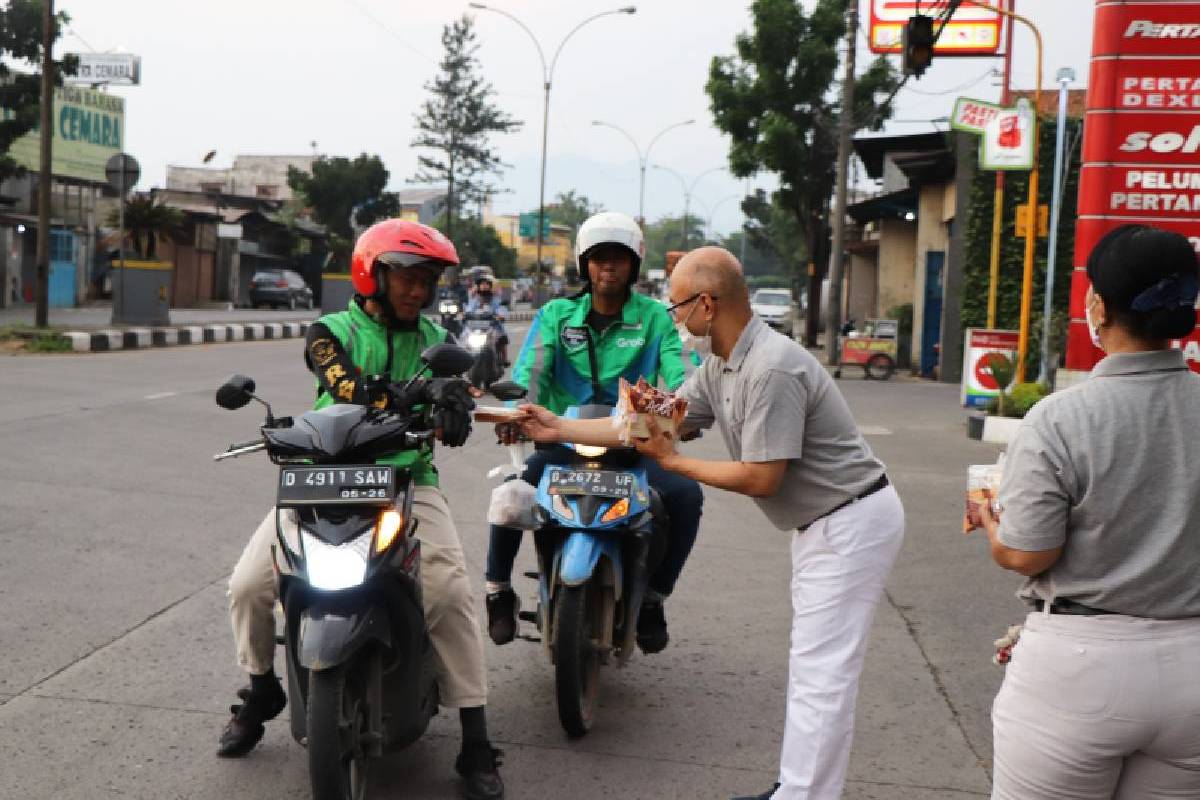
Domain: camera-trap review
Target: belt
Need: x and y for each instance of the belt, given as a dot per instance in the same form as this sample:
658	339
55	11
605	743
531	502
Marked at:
881	483
1062	605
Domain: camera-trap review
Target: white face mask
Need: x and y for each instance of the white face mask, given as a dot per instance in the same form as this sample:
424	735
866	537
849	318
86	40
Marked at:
1093	328
701	344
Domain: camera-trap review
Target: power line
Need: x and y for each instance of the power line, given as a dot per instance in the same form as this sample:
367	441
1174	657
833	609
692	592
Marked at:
952	90
384	27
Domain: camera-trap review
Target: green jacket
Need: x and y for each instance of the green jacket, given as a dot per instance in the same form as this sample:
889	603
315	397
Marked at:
554	364
366	342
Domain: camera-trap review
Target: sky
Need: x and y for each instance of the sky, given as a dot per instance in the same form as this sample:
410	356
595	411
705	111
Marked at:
277	76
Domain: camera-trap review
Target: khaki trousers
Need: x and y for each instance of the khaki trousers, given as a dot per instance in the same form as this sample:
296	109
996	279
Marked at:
1099	708
449	602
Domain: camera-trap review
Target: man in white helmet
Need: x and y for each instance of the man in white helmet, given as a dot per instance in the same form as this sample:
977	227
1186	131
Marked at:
577	349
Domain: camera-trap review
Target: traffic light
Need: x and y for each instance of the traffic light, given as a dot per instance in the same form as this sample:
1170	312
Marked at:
917	43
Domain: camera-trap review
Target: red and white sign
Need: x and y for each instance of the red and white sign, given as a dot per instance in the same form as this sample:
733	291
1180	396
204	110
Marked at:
978	384
972	31
1141	141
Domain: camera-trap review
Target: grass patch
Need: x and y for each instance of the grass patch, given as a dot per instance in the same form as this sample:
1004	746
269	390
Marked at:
34	340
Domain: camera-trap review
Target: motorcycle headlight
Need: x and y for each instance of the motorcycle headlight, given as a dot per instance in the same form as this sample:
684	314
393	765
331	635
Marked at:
588	451
476	338
334	567
561	508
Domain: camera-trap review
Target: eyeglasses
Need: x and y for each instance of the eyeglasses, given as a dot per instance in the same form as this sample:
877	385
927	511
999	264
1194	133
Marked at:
673	311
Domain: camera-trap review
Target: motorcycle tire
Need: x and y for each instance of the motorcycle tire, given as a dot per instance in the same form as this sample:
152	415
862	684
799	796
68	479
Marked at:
337	721
576	663
879	367
483	371
292	303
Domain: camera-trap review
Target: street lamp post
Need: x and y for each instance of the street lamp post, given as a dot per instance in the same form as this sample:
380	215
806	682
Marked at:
1064	78
547	76
643	157
687	193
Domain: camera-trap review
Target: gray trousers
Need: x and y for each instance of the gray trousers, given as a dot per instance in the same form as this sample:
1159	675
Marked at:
445	586
1102	707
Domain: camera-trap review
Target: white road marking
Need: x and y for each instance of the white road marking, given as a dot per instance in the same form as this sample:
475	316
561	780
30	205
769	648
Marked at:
160	395
874	430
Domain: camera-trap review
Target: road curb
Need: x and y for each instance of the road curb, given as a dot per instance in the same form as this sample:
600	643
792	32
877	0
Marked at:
105	341
142	338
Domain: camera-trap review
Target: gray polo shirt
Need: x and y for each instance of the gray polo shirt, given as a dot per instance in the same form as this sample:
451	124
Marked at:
773	401
1108	470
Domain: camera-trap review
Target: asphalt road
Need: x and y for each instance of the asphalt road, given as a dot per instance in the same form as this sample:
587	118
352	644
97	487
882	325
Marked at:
116	660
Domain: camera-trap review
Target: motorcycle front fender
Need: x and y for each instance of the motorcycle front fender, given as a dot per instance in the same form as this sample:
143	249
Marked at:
581	553
329	638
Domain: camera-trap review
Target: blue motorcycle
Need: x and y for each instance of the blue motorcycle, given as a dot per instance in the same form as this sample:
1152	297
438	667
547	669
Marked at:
600	531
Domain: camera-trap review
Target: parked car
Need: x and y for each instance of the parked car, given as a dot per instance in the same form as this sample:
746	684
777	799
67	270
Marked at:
774	307
280	288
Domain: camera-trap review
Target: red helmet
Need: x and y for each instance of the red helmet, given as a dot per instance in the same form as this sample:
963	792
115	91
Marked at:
398	242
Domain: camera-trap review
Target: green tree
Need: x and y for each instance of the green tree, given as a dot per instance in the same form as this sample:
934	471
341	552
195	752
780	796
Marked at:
774	99
146	220
339	188
455	124
20	91
666	234
572	210
977	269
479	244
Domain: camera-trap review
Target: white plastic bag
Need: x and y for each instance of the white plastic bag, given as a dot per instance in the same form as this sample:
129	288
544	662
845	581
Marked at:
512	505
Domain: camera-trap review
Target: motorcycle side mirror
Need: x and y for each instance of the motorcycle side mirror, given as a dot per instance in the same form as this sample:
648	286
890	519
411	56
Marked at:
507	390
235	392
447	360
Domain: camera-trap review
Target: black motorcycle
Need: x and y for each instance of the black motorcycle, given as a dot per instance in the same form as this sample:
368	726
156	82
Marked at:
359	659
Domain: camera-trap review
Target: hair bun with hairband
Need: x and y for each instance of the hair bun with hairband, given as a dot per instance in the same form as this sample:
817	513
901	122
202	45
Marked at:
1173	291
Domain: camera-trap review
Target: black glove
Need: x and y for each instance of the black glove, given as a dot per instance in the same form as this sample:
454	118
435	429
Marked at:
452	405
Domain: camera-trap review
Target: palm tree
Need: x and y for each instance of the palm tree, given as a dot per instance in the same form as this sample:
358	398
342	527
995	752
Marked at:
146	220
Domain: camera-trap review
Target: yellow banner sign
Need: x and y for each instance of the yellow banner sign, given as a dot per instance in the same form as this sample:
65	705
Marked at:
89	128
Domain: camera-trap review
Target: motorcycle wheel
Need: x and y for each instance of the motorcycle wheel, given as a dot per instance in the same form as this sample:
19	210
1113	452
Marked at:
484	369
576	663
337	722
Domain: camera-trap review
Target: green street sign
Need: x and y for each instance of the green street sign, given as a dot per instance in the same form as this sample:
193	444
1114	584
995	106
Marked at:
528	226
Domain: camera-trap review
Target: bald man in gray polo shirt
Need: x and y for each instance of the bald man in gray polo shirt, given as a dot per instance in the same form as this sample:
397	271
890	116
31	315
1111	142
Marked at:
795	449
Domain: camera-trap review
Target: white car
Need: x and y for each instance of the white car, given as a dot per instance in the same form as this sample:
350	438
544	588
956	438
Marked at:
774	307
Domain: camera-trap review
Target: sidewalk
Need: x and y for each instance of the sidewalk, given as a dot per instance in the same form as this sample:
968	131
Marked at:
90	329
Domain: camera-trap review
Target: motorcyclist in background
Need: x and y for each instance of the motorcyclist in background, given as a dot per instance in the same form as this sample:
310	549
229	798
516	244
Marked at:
354	355
485	299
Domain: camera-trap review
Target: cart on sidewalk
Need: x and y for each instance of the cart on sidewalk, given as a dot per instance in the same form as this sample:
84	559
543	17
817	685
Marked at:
874	348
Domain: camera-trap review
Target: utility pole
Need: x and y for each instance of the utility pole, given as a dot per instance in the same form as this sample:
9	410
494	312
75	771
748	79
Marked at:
44	176
845	129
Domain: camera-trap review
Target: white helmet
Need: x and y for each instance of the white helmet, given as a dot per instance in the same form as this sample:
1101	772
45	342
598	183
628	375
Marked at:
610	227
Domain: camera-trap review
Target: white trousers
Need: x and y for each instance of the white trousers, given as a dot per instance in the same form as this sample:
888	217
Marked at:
1099	708
445	589
839	566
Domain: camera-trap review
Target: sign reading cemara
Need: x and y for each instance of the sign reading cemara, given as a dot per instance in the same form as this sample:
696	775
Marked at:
89	128
1141	143
122	69
972	31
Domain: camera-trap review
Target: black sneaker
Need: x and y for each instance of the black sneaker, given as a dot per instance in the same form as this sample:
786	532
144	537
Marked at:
245	729
652	634
502	609
479	766
763	796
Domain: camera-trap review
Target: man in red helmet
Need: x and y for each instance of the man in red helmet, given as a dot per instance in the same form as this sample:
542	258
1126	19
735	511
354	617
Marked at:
354	353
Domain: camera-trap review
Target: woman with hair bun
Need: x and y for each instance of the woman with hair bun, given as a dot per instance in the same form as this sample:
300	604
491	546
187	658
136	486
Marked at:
1100	510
